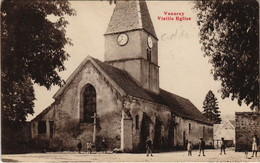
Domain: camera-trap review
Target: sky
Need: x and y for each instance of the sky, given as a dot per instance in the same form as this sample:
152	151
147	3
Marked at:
183	69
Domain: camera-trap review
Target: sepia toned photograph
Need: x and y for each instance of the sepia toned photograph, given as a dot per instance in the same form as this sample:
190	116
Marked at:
130	81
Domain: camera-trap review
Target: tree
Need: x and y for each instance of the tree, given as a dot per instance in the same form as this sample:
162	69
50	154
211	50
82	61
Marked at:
32	51
229	34
211	109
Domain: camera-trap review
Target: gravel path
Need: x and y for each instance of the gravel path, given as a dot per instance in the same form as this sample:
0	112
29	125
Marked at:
179	156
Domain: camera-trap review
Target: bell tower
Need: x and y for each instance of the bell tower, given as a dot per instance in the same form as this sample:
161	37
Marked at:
131	43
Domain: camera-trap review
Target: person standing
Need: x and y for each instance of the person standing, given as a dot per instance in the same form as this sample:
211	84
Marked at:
222	146
89	150
254	145
189	148
201	146
103	145
79	146
148	146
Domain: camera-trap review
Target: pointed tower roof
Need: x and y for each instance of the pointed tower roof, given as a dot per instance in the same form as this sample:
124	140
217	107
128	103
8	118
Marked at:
130	15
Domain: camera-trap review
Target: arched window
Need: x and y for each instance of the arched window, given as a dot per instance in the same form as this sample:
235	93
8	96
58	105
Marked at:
89	104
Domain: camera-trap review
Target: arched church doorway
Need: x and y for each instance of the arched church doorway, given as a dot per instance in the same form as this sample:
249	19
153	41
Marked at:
145	131
157	134
89	104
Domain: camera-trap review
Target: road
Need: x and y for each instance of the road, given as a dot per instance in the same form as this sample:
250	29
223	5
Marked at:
212	155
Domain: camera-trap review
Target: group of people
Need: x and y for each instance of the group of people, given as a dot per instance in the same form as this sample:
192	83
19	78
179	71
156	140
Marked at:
189	147
222	146
202	146
103	146
89	147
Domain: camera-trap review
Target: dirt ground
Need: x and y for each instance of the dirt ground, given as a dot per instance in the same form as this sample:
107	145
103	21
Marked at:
179	156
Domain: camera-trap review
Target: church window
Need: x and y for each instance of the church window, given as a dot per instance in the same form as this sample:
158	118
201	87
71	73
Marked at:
149	55
137	122
89	104
42	127
189	126
51	128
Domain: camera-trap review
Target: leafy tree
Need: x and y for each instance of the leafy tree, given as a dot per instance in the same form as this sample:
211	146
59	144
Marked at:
229	34
211	109
32	51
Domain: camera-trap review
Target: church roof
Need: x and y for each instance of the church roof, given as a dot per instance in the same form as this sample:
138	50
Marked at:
179	105
125	84
130	15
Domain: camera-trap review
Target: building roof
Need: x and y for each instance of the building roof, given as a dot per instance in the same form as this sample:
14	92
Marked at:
216	127
43	113
225	124
126	85
179	105
130	15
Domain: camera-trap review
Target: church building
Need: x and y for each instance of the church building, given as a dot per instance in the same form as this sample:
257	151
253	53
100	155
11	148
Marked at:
120	100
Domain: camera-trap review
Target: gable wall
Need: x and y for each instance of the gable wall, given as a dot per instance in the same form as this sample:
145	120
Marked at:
67	111
226	131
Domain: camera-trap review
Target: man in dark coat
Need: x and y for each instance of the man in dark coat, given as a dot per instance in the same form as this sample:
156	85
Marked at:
148	146
79	146
103	145
201	146
223	146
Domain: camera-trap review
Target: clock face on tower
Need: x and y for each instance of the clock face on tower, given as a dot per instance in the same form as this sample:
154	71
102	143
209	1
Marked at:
122	39
150	42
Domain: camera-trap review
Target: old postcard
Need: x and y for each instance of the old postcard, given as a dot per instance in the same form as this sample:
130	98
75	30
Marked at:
138	86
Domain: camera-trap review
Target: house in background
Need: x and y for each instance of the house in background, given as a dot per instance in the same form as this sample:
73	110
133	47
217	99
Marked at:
224	130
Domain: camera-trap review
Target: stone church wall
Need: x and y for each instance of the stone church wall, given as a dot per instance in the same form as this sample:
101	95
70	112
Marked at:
140	107
66	112
247	125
